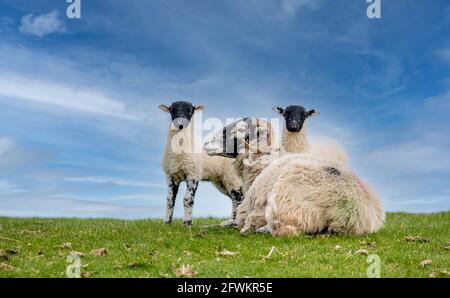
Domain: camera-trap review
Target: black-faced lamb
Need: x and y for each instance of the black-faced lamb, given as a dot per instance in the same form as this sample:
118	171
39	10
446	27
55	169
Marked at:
182	163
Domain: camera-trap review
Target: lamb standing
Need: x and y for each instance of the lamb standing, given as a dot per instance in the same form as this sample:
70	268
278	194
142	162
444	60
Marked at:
181	163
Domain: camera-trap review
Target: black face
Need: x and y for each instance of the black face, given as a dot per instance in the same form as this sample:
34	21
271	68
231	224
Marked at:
295	117
181	112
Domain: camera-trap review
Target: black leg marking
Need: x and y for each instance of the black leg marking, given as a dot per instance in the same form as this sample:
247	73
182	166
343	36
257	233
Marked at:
192	186
236	200
171	197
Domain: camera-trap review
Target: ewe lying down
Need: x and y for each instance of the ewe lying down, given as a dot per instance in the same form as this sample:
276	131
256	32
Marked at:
308	192
300	193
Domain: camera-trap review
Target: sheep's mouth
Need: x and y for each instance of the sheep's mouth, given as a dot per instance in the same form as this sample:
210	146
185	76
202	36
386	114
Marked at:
215	149
180	123
294	128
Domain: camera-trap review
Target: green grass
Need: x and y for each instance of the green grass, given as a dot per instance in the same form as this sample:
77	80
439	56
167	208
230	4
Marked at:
149	248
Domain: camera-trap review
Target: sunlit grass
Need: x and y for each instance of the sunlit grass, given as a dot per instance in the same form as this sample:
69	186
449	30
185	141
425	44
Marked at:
149	248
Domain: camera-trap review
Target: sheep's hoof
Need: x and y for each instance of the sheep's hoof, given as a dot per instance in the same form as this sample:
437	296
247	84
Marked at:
228	223
168	222
187	223
266	229
245	231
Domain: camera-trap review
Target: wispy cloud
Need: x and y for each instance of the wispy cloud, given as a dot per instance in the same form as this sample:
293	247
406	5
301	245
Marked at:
57	207
290	7
7	187
444	54
14	156
67	97
63	95
6	145
113	181
441	102
418	157
42	25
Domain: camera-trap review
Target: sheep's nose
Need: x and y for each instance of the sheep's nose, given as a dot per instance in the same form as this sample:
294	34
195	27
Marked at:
180	123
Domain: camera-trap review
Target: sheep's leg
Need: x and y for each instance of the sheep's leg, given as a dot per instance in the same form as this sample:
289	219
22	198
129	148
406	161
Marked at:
192	186
236	199
171	196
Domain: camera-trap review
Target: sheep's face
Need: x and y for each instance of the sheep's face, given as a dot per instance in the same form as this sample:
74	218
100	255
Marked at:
181	113
239	137
295	116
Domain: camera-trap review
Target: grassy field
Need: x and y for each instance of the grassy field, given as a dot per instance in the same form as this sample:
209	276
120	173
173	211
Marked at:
149	248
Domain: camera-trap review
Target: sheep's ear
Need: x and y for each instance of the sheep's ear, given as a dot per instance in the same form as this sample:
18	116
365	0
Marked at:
199	108
312	113
164	108
278	110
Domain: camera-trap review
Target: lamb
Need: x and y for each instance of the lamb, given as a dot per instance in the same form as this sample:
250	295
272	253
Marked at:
181	163
294	139
294	134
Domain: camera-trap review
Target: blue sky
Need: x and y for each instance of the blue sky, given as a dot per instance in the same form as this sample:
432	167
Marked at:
81	134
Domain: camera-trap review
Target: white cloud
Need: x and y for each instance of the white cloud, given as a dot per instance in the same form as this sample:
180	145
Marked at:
42	25
64	96
63	207
409	157
6	145
444	54
7	187
112	180
290	7
440	102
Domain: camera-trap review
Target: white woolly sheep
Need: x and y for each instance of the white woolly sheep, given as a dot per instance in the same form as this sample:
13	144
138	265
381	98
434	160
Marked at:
251	142
261	149
181	163
238	140
294	138
324	160
299	193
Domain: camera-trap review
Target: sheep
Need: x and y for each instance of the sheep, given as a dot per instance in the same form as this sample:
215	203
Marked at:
300	193
181	163
238	140
330	182
294	135
262	150
253	211
257	138
294	138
